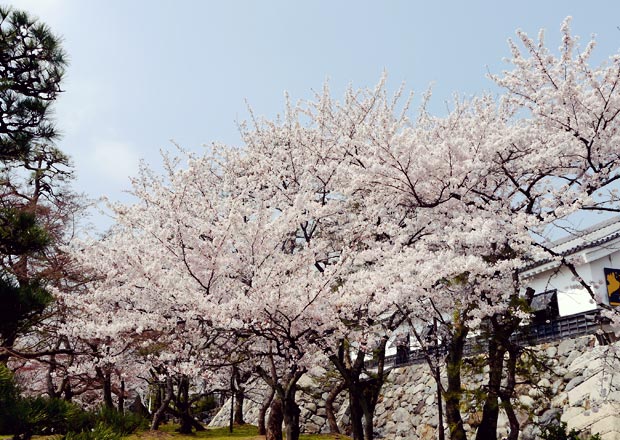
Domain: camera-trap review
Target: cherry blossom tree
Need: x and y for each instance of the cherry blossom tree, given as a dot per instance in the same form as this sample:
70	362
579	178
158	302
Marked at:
338	221
489	182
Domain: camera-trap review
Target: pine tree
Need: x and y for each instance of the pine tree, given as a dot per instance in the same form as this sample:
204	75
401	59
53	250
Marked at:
32	64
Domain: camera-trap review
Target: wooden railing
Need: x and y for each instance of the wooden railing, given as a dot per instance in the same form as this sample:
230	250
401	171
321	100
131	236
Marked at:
560	328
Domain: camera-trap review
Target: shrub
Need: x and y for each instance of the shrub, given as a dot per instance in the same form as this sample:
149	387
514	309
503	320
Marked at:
26	416
558	432
9	398
57	416
123	423
100	432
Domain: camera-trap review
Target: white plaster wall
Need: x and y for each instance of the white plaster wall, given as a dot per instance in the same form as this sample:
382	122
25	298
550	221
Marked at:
606	256
572	297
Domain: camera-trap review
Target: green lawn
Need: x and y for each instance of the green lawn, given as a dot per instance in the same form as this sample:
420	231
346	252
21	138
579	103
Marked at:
245	432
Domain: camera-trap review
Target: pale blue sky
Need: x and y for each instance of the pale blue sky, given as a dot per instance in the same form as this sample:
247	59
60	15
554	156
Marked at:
143	72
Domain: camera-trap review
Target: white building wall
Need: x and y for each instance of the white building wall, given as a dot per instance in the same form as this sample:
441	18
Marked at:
572	297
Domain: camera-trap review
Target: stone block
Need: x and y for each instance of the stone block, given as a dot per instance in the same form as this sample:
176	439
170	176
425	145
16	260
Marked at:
575	381
587	418
596	388
560	400
590	361
526	401
400	415
551	352
607	425
566	347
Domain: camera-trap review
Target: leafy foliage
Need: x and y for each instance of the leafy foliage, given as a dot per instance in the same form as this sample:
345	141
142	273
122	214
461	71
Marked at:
9	396
25	416
32	64
20	232
101	431
558	432
121	423
19	305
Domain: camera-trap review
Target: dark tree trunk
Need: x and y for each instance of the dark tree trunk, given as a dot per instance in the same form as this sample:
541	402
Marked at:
262	429
370	395
363	393
355	412
159	393
441	434
432	359
7	345
290	409
137	407
158	415
67	391
238	413
454	391
106	380
502	326
274	421
237	384
183	406
511	380
290	412
121	398
490	412
285	389
329	407
368	422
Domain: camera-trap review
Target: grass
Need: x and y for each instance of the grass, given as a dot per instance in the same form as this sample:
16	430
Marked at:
245	432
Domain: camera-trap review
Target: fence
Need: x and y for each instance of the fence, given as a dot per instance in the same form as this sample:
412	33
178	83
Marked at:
554	330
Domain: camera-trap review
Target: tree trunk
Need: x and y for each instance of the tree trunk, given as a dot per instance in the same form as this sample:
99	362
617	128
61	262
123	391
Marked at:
106	380
67	391
182	404
454	391
262	429
502	327
274	422
197	425
285	389
290	412
238	413
507	393
490	412
290	409
329	407
158	415
368	422
237	388
441	435
363	394
7	345
355	412
121	398
370	395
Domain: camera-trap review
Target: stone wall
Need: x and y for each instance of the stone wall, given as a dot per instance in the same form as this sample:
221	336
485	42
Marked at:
576	383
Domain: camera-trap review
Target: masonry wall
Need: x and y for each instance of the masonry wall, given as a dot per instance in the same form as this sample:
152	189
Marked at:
578	384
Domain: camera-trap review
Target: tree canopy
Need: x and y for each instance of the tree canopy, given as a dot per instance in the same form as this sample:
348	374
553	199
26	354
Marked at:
32	63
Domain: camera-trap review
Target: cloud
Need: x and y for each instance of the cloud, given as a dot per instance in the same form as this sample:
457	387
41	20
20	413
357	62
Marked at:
104	166
114	160
50	11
